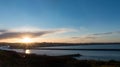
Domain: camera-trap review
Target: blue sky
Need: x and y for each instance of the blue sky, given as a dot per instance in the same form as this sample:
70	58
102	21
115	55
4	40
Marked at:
81	17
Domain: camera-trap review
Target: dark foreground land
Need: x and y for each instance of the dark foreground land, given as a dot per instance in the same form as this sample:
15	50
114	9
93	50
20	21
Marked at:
14	59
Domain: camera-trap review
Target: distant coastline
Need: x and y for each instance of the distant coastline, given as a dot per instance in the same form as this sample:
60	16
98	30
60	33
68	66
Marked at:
45	44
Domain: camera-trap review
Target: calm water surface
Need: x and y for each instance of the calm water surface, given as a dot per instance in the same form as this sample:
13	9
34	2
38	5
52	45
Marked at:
89	55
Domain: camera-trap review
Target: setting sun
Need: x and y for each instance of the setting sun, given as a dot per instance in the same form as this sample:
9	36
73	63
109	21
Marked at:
26	40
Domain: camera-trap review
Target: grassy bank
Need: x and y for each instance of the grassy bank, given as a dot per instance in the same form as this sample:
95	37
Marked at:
14	59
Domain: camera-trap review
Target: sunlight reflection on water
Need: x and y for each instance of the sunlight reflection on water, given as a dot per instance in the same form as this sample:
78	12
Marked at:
27	51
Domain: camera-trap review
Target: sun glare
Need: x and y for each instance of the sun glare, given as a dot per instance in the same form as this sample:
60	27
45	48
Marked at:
27	51
26	40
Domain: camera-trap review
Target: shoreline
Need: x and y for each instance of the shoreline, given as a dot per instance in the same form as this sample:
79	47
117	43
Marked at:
15	59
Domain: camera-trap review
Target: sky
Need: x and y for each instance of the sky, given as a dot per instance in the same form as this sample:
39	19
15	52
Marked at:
71	21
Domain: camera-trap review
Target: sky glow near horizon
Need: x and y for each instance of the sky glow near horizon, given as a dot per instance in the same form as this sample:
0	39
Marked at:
75	21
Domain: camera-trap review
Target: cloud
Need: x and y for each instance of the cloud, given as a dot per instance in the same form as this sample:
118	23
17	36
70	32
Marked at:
96	35
19	34
10	34
84	37
107	33
3	30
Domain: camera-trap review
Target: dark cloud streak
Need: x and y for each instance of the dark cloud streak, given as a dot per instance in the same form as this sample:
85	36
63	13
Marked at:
10	35
108	33
3	30
96	35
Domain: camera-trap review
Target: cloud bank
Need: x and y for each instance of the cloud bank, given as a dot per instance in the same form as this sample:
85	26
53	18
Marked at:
10	34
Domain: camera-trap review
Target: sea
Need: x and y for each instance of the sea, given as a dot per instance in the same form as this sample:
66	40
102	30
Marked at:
100	55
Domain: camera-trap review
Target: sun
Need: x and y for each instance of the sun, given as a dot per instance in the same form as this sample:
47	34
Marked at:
26	40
